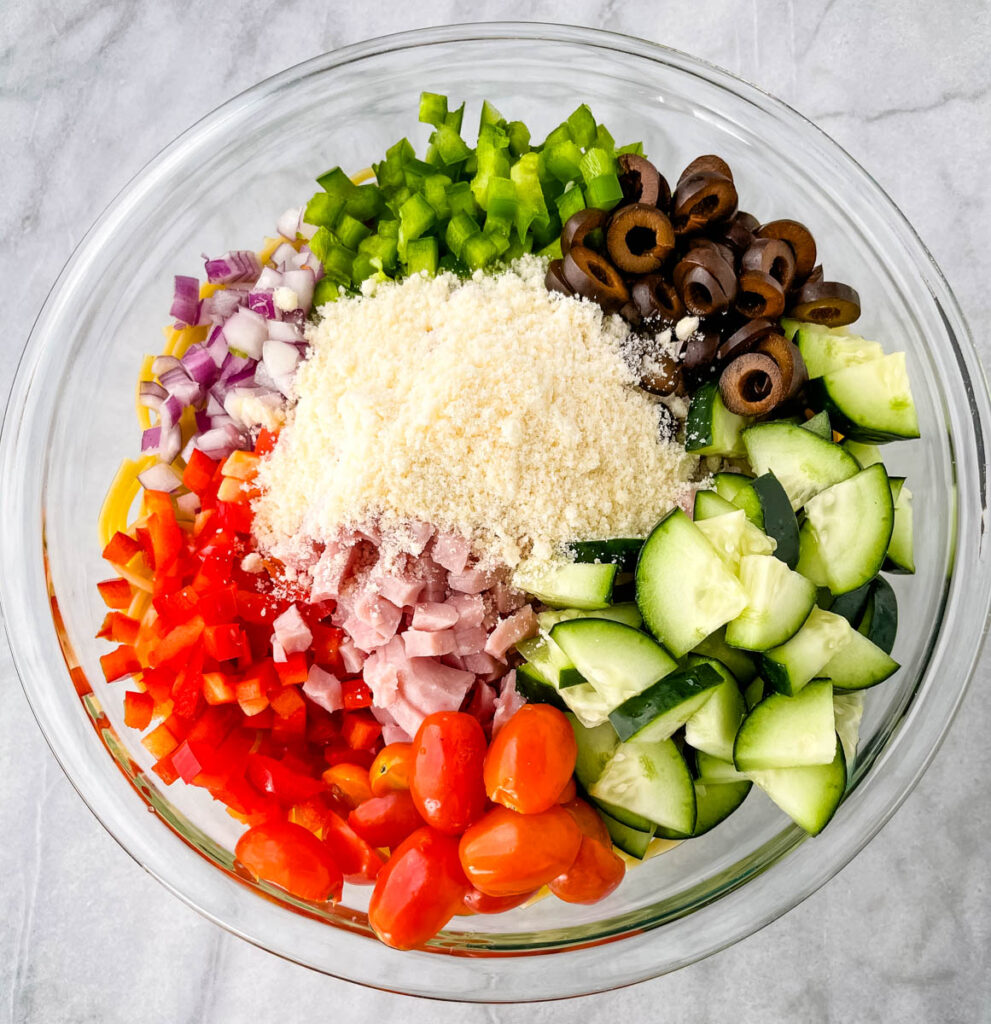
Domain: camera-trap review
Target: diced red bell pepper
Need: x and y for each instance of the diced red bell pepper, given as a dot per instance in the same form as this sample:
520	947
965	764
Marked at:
336	754
214	571
123	629
185	762
121	548
360	730
116	593
225	642
158	503
294	670
359	861
120	662
138	709
272	777
356	694
158	682
235	516
218	688
218	605
177	606
187	691
326	646
213	726
165	770
166	538
259	609
199	471
266	441
290	730
176	644
287	701
160	742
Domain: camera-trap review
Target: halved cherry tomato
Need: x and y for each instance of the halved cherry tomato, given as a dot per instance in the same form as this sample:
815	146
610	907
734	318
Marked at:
292	858
589	821
506	854
446	783
418	891
478	902
386	820
531	759
391	768
569	793
594	874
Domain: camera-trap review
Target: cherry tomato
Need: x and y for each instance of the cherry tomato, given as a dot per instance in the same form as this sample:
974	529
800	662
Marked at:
478	902
569	792
418	891
292	858
391	768
349	783
589	821
446	783
506	854
594	874
386	820
359	860
531	759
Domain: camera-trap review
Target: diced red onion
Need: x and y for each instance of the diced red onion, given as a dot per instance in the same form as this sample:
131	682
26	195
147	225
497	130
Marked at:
222	304
186	301
162	364
170	412
302	283
187	391
160	477
199	364
290	222
283	255
171	444
307	258
214	405
245	331
280	358
150	394
220	442
236	265
262	303
150	438
280	330
189	503
204	421
268	279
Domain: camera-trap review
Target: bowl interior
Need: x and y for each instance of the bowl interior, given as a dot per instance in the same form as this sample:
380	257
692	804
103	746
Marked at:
223	186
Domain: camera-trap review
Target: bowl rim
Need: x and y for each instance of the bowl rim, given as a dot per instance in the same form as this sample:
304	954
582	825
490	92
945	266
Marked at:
26	644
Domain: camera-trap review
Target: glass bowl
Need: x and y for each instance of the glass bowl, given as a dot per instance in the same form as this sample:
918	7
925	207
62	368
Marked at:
222	185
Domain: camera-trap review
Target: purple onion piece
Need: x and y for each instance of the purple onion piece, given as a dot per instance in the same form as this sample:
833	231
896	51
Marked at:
185	308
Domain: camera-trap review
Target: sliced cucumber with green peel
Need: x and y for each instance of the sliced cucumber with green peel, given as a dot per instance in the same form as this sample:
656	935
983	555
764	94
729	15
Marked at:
733	536
901	556
711	429
858	664
767	506
714	726
684	591
568	585
778	603
796	662
708	505
650	779
586	704
819	424
824	352
851	523
727	484
619	551
791	327
808	795
755	692
848	708
550	661
740	664
536	688
851	605
714	804
788	732
625	817
627	612
630	840
871	402
595	747
617	660
660	710
715	772
810	563
803	462
880	620
865	454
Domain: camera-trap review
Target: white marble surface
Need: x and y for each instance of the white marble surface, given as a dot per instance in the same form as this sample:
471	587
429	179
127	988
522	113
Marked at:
89	91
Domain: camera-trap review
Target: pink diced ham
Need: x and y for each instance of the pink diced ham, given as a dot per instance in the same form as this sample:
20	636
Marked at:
471	581
366	638
450	551
401	592
482	702
470	640
381	672
408	718
353	658
292	632
324	689
416	537
332	568
485	665
517	627
378	613
470	608
432	615
507	703
392	732
278	652
422	643
507	599
430	686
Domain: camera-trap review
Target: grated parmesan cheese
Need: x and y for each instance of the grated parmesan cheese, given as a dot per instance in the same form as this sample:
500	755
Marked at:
488	407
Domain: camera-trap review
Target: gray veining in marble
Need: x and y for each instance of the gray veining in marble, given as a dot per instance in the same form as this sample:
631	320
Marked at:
89	91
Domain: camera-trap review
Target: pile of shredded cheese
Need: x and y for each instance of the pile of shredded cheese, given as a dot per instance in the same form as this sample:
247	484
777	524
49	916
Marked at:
488	407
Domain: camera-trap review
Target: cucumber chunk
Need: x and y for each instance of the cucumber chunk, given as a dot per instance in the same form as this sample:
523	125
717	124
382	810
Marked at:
629	840
788	732
808	795
711	429
900	557
849	710
804	463
755	693
620	551
823	352
767	506
550	661
536	688
819	424
714	726
650	780
569	585
595	747
733	536
865	454
778	602
715	772
851	523
727	484
625	817
708	505
870	402
880	620
714	803
627	612
740	664
851	605
858	664
791	666
660	710
683	589
617	660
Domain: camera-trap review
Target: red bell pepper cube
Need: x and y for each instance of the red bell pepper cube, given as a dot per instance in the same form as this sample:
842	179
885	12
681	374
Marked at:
177	606
235	516
287	701
294	670
123	629
259	609
212	728
251	694
116	593
198	474
187	691
326	647
266	441
360	730
219	604
356	694
121	548
158	683
339	753
176	644
225	642
166	538
291	730
158	503
165	770
138	709
185	762
273	778
106	629
160	742
120	662
218	688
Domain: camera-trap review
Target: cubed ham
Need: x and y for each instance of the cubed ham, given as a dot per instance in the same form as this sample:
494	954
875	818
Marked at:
380	614
416	536
485	665
471	581
324	689
517	627
450	551
278	652
332	568
434	591
506	598
381	672
366	638
470	608
292	632
353	658
430	686
403	593
431	615
392	732
507	703
470	640
482	702
422	643
408	718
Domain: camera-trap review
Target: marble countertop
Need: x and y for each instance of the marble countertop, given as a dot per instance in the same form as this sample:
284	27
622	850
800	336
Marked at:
92	89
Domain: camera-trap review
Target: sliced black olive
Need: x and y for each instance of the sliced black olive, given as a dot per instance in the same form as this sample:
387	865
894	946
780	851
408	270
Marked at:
773	256
631	314
760	296
639	238
710	260
752	385
700	350
579	226
642	182
747	220
717	245
790	362
746	338
702	293
656	296
815	274
828	303
595	278
707	163
735	233
701	200
799	238
554	280
662	375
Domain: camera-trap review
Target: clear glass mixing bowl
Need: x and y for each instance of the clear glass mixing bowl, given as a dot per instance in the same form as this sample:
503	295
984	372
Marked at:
222	185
